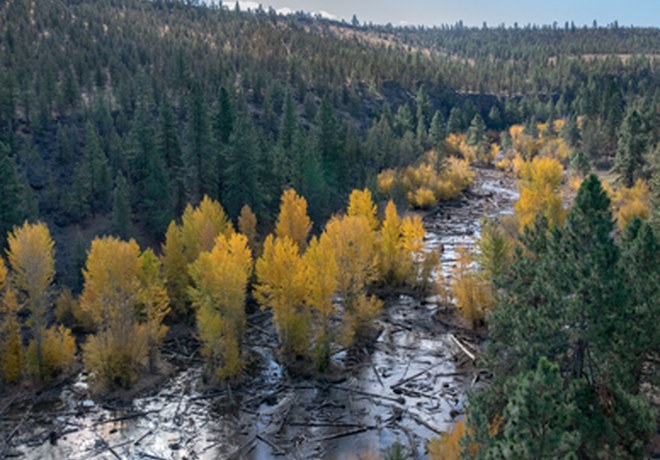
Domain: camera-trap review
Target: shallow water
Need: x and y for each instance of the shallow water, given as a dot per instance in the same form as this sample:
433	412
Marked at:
408	388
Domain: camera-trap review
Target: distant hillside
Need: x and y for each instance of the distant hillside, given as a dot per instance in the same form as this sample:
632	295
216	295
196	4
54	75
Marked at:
116	113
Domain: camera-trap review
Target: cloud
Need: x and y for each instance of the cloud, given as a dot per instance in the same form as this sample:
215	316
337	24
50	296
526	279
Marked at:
246	5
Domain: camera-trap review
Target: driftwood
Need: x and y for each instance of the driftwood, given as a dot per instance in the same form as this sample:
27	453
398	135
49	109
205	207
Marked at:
463	347
17	427
124	417
358	430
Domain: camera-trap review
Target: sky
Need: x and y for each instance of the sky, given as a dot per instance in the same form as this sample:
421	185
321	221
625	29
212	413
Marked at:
475	12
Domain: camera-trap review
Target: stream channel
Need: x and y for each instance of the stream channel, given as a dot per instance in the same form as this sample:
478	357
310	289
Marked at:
408	387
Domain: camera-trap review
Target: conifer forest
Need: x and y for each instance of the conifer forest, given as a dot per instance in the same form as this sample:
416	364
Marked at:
240	234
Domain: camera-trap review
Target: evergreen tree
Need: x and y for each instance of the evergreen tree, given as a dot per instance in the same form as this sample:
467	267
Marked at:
121	210
199	161
632	147
170	152
580	163
570	132
11	210
223	121
476	135
98	173
241	180
155	194
495	117
454	123
640	262
538	418
327	144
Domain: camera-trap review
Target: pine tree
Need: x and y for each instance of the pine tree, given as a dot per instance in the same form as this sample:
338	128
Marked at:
640	263
11	210
122	225
538	418
96	163
631	148
155	192
199	159
437	132
241	178
170	152
454	123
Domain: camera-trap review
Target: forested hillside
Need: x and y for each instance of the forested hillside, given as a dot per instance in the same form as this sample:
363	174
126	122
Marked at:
132	109
167	169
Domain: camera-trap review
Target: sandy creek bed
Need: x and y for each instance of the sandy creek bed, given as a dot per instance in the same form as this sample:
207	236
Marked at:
409	386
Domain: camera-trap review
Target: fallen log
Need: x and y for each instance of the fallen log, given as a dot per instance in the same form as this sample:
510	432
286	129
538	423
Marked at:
343	434
463	348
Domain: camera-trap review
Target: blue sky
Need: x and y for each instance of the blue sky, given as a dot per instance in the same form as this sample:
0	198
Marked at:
475	12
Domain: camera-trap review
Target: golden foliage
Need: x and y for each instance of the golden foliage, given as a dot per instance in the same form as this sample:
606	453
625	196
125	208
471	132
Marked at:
247	225
539	191
67	310
448	447
58	351
3	274
522	143
556	148
154	304
422	198
201	225
472	293
400	250
32	261
631	202
115	361
11	351
386	180
360	203
111	296
293	222
175	267
359	315
281	287
220	279
321	273
354	244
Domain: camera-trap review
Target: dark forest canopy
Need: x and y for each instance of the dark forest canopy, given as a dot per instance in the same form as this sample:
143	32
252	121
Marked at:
123	111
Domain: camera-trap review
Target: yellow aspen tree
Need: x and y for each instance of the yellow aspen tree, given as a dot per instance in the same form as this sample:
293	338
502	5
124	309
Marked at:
631	202
472	294
539	192
321	273
3	274
200	226
354	246
293	222
175	268
32	260
412	258
111	298
360	203
219	291
281	287
247	225
10	339
388	245
450	446
59	348
154	303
